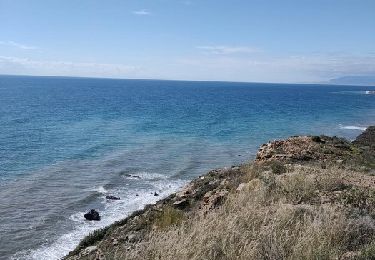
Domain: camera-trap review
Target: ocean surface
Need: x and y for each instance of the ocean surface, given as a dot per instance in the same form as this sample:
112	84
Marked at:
66	143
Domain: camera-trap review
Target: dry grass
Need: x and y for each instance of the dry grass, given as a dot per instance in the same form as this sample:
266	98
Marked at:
275	217
168	217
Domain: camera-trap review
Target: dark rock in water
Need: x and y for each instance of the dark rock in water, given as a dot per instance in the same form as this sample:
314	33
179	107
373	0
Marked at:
92	215
110	197
137	195
156	194
128	175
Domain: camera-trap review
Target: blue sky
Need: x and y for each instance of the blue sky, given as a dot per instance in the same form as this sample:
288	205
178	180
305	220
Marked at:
247	40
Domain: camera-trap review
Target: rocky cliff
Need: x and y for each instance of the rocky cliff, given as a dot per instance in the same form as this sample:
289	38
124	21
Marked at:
306	197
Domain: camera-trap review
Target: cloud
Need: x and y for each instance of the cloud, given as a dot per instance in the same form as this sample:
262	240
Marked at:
308	68
227	50
142	12
15	65
17	45
287	69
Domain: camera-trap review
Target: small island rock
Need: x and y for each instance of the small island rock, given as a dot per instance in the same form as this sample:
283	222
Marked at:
92	215
110	197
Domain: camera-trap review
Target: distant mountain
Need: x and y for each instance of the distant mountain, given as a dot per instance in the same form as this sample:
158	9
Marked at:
354	80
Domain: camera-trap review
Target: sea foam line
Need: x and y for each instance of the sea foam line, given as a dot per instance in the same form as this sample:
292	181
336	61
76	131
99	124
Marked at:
113	212
353	127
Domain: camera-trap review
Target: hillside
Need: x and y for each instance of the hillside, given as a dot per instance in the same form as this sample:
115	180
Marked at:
306	197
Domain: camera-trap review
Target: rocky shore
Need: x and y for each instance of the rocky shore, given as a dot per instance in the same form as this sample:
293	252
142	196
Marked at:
284	205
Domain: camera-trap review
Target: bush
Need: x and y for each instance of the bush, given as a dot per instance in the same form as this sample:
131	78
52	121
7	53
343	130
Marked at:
278	167
316	138
168	217
368	253
92	238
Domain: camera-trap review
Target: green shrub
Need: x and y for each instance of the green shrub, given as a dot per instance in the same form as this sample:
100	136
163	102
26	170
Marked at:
278	167
368	253
316	138
92	238
363	199
168	217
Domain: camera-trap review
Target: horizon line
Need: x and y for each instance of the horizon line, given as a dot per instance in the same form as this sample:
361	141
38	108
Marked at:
181	80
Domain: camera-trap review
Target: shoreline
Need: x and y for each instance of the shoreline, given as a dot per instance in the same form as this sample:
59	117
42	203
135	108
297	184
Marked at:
208	192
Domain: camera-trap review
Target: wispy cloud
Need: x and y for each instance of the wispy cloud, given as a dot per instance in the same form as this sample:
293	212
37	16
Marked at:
16	65
267	68
18	45
142	12
226	50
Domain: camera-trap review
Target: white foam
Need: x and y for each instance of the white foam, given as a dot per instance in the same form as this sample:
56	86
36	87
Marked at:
146	176
114	211
353	127
151	175
99	189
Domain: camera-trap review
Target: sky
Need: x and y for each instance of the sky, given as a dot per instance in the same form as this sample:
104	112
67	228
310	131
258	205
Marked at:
230	40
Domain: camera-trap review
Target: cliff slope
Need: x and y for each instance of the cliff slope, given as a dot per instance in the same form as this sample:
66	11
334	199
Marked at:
307	197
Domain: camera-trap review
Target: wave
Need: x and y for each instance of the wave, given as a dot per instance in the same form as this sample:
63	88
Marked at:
353	127
131	200
101	190
143	175
352	92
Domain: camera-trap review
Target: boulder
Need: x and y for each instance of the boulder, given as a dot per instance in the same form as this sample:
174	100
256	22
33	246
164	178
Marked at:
181	204
110	197
92	215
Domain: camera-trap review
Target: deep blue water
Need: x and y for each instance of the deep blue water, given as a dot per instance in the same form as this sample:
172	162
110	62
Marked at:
67	142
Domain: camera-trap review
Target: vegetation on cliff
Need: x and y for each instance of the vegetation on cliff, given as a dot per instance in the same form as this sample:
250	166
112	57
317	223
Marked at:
302	198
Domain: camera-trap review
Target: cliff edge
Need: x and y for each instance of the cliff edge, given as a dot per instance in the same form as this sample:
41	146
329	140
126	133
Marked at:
306	197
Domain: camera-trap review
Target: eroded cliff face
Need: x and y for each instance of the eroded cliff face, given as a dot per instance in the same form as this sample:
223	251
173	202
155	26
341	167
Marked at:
275	162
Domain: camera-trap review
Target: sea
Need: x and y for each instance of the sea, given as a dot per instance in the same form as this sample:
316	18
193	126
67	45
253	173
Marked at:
66	143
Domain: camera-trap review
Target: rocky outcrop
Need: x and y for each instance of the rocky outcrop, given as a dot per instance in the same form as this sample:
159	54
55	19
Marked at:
367	138
306	148
111	197
92	215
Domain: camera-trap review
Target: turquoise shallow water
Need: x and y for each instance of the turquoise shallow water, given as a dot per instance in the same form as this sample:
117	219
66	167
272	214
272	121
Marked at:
67	142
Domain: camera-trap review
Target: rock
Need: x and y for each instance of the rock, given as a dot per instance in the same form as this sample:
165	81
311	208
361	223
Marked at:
133	237
136	194
367	138
88	250
156	194
110	197
114	241
92	215
132	176
181	204
213	199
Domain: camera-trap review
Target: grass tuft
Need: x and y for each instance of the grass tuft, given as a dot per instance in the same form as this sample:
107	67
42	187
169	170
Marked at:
168	217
